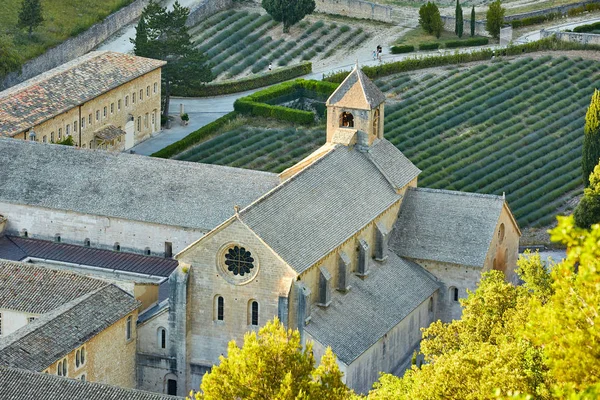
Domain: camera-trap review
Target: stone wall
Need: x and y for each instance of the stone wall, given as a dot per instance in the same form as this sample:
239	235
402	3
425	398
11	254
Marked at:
206	9
355	9
560	9
480	30
78	45
11	320
583	38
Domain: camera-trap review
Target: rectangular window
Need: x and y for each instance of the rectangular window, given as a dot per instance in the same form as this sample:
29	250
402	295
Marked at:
112	108
119	105
148	91
220	309
168	249
104	112
155	86
67	131
127	101
128	329
74	126
153	118
141	94
90	119
59	134
139	124
97	115
30	319
83	122
146	120
51	137
45	140
133	98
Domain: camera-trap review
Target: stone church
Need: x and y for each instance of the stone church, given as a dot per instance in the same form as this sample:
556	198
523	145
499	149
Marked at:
346	248
342	246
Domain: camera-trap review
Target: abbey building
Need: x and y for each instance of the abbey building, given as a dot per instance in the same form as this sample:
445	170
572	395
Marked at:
342	246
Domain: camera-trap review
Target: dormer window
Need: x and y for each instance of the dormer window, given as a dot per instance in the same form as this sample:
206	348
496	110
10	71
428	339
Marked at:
347	120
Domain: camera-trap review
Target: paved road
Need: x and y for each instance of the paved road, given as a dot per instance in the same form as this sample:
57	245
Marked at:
533	36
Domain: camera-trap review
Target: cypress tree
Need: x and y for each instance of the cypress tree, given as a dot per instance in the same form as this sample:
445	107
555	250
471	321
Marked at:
591	138
473	21
458	25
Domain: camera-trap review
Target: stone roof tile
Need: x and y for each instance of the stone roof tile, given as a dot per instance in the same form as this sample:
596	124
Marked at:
373	96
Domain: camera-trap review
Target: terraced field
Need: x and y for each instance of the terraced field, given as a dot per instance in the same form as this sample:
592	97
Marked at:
240	42
513	127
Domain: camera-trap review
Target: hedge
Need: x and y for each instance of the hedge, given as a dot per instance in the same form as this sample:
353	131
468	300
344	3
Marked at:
241	85
587	28
429	46
550	43
402	49
580	10
256	105
538	19
467	42
195	137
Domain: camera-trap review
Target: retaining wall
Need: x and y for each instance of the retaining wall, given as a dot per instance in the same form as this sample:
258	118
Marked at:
78	45
583	38
559	9
449	23
355	9
206	9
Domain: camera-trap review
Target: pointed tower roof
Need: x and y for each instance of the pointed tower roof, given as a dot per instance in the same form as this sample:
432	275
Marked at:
357	91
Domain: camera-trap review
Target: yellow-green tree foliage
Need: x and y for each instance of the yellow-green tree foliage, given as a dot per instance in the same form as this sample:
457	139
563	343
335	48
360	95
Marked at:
273	365
591	138
587	211
541	339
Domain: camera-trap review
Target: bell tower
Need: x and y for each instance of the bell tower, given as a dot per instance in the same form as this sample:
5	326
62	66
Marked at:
355	111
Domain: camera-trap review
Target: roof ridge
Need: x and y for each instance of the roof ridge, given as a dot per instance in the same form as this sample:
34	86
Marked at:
289	180
457	193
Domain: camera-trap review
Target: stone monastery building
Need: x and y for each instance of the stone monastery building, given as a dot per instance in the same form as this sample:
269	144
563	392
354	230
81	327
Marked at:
103	100
343	245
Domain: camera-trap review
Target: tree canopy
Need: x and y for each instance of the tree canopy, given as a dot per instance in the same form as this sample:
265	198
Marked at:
459	25
274	365
494	19
288	12
591	138
430	19
535	341
587	211
10	60
30	15
163	35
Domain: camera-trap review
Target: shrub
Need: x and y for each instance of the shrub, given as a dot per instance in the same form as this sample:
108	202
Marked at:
429	14
538	19
587	28
185	117
429	46
241	85
467	42
402	49
344	28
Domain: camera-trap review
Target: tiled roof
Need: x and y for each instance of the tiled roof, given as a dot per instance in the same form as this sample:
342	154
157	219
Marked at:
70	85
109	132
394	165
373	96
127	186
319	208
18	384
88	256
356	320
446	226
53	335
38	290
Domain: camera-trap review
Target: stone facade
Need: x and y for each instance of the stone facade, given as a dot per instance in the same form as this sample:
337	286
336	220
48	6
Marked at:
355	9
109	357
11	320
103	232
583	38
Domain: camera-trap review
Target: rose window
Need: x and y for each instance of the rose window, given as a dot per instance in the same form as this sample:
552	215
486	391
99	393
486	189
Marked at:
239	261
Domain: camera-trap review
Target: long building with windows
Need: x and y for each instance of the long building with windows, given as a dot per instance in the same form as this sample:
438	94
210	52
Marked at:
103	100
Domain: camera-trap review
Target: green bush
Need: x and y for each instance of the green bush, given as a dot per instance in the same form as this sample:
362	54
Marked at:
194	137
256	105
429	46
538	19
467	42
402	49
587	28
241	85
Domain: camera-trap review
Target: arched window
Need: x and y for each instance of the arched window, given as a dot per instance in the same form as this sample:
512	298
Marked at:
147	251
24	233
57	238
253	313
117	246
59	369
64	367
347	120
219	311
501	233
87	242
82	355
454	293
162	338
77	359
430	307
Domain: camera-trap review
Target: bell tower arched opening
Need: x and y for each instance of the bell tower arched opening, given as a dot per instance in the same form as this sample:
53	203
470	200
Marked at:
346	120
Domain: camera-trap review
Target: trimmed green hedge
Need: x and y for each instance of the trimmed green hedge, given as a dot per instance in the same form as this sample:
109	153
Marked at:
195	137
467	42
550	43
241	85
256	105
587	28
402	49
429	46
538	19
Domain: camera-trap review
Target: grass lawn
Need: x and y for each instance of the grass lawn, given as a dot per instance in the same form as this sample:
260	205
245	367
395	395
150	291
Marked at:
417	36
63	19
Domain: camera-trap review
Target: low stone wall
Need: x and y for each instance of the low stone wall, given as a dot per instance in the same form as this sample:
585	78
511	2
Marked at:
206	9
78	45
583	38
560	9
449	23
355	9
